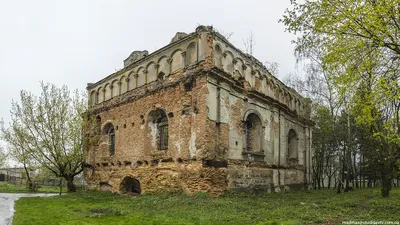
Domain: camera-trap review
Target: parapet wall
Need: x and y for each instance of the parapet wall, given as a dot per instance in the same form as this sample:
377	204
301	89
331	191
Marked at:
186	51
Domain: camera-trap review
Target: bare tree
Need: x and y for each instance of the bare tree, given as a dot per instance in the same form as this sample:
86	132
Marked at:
49	129
249	44
227	35
272	67
3	157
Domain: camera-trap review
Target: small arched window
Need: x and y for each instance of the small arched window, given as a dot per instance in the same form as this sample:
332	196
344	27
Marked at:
253	132
110	132
292	144
160	76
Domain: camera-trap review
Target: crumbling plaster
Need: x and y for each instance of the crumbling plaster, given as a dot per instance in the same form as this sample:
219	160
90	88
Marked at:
206	143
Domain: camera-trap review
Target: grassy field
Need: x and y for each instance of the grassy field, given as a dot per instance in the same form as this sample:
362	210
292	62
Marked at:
311	207
12	188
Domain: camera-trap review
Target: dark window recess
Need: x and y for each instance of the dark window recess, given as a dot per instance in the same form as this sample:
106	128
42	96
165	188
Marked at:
154	162
87	165
214	163
188	86
163	129
161	76
130	185
167	160
112	142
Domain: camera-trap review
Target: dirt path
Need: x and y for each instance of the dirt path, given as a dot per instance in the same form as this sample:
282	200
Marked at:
7	205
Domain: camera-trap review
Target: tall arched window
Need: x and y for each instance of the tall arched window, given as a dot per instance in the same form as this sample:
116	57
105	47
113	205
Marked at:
159	128
110	132
292	144
253	132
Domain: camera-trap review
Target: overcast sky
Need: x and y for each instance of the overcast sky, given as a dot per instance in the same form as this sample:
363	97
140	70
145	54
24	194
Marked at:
78	42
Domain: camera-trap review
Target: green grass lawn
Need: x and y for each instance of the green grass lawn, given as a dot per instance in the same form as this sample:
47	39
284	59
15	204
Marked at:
311	207
12	188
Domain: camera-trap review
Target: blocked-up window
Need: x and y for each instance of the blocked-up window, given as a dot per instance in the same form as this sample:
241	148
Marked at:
292	144
253	130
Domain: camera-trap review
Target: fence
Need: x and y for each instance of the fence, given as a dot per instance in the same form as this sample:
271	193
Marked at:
79	183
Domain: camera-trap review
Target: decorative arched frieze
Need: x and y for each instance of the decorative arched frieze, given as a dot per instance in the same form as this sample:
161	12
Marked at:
151	72
177	60
124	84
132	80
115	88
93	97
239	65
227	62
100	95
218	56
163	65
191	54
107	92
141	76
247	74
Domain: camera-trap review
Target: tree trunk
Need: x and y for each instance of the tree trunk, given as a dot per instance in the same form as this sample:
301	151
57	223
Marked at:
70	184
386	186
329	182
28	178
386	179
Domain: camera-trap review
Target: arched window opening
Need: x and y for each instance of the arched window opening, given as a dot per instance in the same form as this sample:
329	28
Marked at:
159	128
160	76
109	130
253	132
130	185
292	144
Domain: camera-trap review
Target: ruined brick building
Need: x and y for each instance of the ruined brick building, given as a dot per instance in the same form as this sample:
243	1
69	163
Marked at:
196	115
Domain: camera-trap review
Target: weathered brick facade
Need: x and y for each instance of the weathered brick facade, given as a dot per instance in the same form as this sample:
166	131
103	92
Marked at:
196	115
